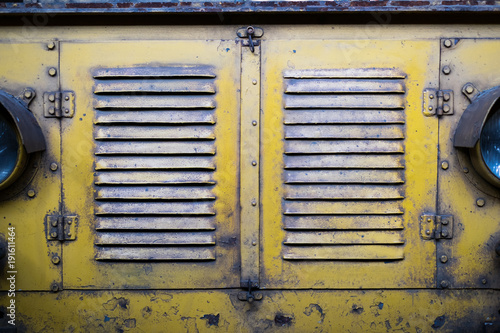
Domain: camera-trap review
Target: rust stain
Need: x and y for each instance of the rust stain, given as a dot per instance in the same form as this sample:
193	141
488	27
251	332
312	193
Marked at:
282	320
212	320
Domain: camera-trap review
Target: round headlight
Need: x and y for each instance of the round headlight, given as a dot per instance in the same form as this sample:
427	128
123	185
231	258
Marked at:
489	143
12	152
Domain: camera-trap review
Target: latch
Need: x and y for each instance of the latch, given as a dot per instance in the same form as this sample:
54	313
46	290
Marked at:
59	104
251	33
61	228
436	226
438	102
250	296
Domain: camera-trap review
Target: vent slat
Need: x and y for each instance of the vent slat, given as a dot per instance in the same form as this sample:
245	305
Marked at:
155	238
347	222
107	102
344	146
351	252
155	72
156	223
154	193
155	117
343	177
342	207
345	73
333	116
344	237
154	178
155	208
350	101
344	132
342	192
155	86
156	253
154	162
344	162
353	86
154	132
155	148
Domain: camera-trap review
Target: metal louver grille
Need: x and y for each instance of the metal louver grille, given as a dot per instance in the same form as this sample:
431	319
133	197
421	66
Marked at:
344	164
154	132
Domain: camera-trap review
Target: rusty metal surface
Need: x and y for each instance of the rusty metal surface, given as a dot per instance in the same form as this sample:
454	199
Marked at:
249	6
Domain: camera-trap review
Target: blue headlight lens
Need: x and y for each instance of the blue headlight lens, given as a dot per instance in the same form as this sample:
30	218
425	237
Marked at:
490	142
9	147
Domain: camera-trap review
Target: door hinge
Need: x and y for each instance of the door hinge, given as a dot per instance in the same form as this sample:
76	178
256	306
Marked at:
59	104
438	102
61	228
250	33
436	226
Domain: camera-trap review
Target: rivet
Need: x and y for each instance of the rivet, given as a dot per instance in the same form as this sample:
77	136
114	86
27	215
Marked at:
52	98
52	110
430	108
444	165
431	96
484	281
427	232
466	170
56	260
69	233
51	45
68	222
444	258
66	110
446	70
52	71
429	219
54	223
446	108
469	89
254	203
444	233
28	94
254	82
54	287
53	166
53	234
254	163
444	221
254	243
447	43
66	98
480	202
446	97
31	193
254	123
445	284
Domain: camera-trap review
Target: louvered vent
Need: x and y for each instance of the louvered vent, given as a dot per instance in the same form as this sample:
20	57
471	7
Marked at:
344	164
154	132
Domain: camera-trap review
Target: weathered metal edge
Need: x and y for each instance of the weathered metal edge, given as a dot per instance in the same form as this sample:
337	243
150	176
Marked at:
251	6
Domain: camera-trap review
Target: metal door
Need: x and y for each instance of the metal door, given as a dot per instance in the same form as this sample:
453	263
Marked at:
348	163
151	164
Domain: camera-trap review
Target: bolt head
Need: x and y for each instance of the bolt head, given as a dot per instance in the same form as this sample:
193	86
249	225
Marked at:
52	98
52	71
469	89
56	260
466	170
446	97
448	43
484	281
53	166
54	287
480	202
446	108
444	233
445	165
51	45
444	258
28	94
52	110
31	193
53	234
446	70
445	284
54	223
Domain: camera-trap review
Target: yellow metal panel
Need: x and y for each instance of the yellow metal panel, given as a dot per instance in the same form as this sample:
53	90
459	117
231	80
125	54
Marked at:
22	66
279	311
469	258
340	148
182	216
